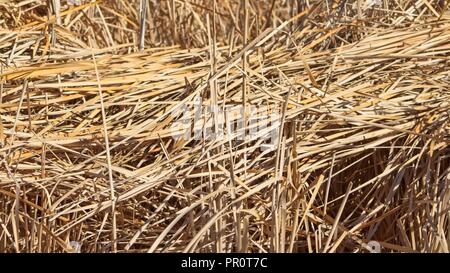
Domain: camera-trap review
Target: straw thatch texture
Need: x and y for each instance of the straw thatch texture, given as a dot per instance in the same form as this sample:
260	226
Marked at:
87	121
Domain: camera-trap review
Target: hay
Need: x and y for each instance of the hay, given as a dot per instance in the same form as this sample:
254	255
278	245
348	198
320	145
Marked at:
91	155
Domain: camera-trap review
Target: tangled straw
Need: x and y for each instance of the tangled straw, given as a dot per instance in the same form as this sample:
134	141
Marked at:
89	161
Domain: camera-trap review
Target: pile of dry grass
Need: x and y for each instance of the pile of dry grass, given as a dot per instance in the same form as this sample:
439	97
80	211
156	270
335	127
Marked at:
86	131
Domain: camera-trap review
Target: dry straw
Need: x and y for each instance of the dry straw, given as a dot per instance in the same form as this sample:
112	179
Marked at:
90	89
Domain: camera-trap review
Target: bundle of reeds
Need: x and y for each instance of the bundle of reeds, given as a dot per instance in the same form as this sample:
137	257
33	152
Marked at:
224	126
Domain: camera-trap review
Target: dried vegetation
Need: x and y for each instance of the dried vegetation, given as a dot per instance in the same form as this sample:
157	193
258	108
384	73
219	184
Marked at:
89	93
